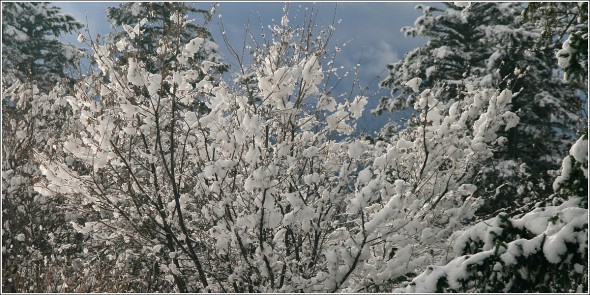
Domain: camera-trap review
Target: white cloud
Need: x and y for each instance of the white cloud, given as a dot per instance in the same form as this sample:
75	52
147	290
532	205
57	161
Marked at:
377	57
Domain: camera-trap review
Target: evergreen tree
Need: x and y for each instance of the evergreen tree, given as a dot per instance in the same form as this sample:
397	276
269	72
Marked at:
163	25
30	49
160	20
483	45
546	250
559	20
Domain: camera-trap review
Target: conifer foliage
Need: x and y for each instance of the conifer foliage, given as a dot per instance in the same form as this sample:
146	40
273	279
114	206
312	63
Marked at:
559	20
30	48
158	21
491	45
165	26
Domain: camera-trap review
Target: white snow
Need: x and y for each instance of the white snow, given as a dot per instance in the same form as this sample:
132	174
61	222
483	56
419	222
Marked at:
357	106
284	20
365	176
511	120
104	90
193	46
554	234
131	31
565	53
326	103
121	44
441	52
310	152
356	149
580	152
462	4
133	73
15	33
414	84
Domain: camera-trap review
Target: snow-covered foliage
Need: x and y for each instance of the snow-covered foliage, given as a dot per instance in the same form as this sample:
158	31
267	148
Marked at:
157	19
573	176
546	250
38	245
30	50
267	189
569	20
259	196
492	45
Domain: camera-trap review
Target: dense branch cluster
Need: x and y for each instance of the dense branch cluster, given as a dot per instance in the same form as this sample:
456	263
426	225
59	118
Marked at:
263	187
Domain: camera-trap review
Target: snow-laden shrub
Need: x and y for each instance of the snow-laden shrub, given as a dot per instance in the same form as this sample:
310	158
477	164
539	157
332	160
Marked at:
258	194
34	228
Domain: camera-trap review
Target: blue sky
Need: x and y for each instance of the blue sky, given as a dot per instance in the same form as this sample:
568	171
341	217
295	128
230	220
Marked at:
370	29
